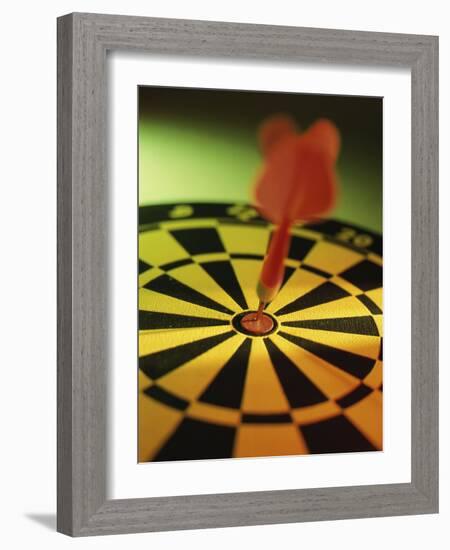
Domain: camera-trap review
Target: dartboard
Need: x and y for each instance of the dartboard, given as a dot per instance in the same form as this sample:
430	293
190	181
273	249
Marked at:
207	388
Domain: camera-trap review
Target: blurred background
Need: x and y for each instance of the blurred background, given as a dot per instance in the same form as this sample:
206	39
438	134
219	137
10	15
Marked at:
200	145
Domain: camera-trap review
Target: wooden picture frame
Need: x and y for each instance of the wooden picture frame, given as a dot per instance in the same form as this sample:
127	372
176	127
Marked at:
83	41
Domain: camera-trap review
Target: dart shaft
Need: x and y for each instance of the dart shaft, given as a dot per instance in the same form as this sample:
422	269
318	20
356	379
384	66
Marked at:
260	310
273	267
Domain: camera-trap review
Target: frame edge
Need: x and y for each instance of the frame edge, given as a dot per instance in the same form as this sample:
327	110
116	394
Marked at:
64	274
425	272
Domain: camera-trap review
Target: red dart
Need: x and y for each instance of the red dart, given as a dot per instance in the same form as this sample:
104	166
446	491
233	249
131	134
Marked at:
296	183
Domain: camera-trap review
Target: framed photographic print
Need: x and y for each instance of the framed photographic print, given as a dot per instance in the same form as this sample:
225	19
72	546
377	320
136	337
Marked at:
247	274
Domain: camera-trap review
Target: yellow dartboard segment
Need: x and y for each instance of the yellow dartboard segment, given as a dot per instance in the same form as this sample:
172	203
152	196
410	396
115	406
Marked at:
208	389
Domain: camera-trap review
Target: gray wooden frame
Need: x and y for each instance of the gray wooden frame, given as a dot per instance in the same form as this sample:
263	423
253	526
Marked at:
83	41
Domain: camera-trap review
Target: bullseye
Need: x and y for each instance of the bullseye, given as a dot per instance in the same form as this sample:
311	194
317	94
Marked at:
248	323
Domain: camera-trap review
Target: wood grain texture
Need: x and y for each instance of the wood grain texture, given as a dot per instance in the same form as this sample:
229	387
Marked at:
83	199
64	298
424	275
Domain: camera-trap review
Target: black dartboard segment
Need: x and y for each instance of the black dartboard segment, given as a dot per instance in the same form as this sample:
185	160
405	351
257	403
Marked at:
209	390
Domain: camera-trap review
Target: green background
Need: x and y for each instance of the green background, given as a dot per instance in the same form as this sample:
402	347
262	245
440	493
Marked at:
200	145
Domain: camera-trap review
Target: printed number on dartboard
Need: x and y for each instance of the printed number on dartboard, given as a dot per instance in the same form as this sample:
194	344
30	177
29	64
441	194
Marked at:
350	235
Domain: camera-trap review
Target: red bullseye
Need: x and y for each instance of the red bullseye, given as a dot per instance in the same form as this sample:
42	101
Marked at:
252	324
249	323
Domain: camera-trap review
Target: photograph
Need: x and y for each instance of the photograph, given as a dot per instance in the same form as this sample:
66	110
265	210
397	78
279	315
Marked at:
260	276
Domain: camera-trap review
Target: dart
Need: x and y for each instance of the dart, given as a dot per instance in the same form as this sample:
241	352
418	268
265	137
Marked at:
297	183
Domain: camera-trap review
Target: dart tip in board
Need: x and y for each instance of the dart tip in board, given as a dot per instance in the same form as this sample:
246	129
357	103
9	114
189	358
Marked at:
260	310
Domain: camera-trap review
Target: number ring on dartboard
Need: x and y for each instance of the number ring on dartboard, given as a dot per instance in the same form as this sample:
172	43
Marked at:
207	389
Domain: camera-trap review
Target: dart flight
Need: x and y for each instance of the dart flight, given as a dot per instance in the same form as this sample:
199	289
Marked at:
297	183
